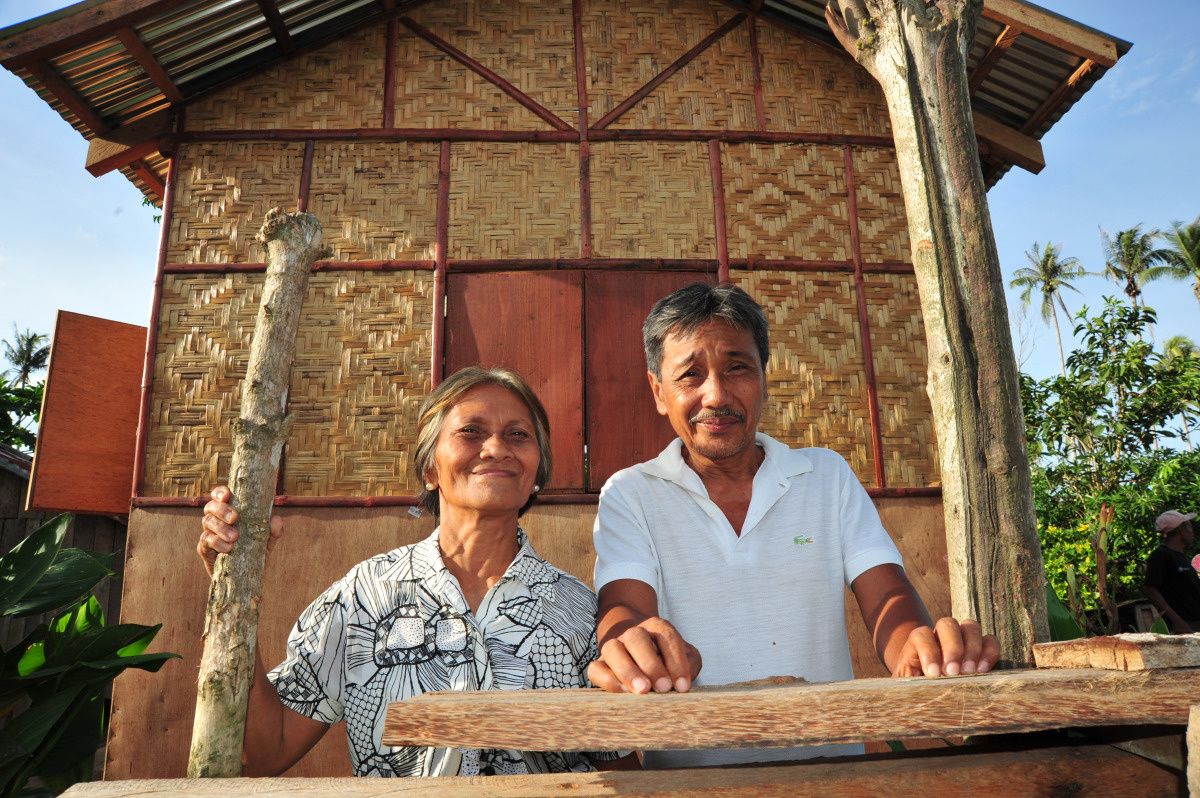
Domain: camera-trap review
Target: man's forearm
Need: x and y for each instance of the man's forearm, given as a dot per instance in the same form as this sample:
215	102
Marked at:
1173	619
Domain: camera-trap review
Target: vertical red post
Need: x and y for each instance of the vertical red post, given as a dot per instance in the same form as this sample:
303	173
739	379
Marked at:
164	237
585	148
718	187
305	176
439	268
760	113
864	325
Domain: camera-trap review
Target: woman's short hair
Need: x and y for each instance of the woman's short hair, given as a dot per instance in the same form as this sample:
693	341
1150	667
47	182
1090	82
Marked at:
433	414
695	305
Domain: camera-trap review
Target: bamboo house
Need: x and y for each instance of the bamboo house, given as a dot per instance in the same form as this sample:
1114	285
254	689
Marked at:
504	183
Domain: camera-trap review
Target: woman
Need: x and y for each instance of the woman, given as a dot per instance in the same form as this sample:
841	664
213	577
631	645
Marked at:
471	607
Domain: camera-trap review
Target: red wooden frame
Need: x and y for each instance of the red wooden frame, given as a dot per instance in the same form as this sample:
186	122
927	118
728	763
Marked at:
438	335
718	187
760	112
536	136
305	176
389	73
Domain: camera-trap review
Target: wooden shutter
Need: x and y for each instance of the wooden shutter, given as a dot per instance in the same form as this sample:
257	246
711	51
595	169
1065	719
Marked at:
84	457
530	322
623	425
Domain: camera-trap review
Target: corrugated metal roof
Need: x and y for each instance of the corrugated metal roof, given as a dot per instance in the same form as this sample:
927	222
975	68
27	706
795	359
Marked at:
201	44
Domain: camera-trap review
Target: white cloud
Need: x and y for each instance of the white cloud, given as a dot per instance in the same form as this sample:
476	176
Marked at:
86	236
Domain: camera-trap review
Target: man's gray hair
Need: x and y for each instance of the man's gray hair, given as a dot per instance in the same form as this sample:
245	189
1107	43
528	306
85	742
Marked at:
695	305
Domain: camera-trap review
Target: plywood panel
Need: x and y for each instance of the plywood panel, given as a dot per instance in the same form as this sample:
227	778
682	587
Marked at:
530	322
918	528
84	458
562	534
165	583
624	427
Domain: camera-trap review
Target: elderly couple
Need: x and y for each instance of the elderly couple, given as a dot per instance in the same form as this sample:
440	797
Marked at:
723	559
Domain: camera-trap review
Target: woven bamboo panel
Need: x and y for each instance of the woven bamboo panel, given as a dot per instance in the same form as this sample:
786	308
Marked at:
223	193
338	86
652	200
362	369
898	343
815	379
882	223
786	201
813	88
529	43
715	91
435	91
514	200
376	201
628	42
362	364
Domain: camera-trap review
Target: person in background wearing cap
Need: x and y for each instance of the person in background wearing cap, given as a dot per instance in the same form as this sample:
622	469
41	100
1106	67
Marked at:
1171	582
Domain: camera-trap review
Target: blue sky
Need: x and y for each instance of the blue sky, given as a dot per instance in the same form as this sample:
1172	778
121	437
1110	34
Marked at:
1127	153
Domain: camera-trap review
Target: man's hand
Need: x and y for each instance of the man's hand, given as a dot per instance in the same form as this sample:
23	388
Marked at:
218	530
639	651
949	648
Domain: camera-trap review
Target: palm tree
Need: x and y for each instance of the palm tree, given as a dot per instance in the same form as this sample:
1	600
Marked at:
1183	252
1180	347
1131	260
1048	273
28	353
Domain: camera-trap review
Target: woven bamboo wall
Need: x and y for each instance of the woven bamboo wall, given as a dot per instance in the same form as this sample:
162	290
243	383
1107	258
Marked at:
514	200
815	381
882	223
335	86
786	200
376	201
898	343
362	366
652	200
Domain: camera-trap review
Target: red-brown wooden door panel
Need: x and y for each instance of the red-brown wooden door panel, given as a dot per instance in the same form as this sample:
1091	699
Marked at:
530	322
623	425
84	457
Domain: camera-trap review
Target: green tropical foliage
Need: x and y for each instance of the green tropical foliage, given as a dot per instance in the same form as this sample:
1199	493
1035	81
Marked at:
1100	473
52	683
1049	274
27	353
1131	260
19	406
1183	253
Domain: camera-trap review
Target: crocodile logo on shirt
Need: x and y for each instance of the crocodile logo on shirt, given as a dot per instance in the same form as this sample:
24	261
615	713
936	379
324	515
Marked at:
802	540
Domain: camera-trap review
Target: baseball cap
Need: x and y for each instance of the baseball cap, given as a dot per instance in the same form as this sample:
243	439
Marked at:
1171	519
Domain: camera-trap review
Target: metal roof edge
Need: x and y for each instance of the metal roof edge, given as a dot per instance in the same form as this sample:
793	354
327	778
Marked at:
51	16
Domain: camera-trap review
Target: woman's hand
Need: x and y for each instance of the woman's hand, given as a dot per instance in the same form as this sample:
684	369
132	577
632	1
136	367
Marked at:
218	530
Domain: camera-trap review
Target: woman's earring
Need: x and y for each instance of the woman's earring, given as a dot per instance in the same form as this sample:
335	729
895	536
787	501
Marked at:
536	488
429	486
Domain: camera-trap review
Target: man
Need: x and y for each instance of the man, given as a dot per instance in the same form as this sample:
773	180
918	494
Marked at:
732	549
1171	582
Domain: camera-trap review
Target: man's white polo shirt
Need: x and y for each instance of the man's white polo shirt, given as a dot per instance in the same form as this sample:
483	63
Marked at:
763	603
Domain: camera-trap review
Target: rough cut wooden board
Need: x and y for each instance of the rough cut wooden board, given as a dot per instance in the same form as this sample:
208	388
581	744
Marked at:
808	714
1125	652
1084	770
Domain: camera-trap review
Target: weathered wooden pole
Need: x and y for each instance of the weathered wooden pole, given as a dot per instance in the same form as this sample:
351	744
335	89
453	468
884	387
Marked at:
293	243
917	53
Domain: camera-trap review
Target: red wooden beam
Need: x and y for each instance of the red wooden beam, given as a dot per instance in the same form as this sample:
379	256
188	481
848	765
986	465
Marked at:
276	23
718	189
585	199
438	347
143	427
470	63
87	25
585	149
388	5
760	112
1052	102
610	264
580	65
802	265
141	53
739	136
1008	36
305	176
319	266
389	74
381	134
122	157
56	85
149	177
662	77
864	324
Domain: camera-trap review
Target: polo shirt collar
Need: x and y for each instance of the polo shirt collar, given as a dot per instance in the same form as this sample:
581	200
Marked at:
780	463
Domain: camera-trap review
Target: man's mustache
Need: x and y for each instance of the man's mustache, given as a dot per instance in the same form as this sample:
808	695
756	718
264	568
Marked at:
720	412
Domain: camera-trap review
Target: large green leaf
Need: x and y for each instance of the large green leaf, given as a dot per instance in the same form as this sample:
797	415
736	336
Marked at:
1063	625
25	564
73	574
70	758
25	732
96	645
74	623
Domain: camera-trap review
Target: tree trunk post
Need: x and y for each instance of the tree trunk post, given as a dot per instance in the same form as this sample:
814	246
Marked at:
293	243
917	53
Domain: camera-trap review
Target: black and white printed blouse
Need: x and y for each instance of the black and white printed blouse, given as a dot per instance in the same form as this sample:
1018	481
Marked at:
397	626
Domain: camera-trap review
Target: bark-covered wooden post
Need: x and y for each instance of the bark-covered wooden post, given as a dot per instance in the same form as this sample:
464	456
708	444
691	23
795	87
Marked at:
917	52
293	244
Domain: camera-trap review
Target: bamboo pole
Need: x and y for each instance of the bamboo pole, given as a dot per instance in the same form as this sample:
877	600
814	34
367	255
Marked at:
917	53
293	242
